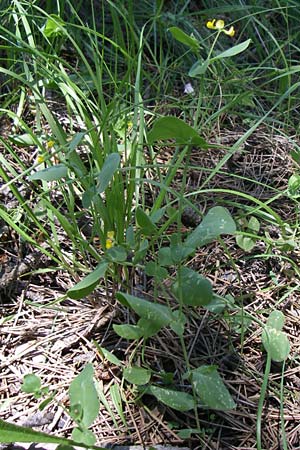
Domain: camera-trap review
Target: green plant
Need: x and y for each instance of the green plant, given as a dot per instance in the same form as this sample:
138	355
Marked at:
111	72
277	346
83	409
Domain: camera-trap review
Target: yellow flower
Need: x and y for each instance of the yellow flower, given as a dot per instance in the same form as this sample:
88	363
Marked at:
220	26
49	144
215	24
110	240
229	32
40	159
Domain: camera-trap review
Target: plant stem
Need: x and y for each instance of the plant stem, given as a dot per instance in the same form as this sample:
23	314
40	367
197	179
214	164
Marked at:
261	401
284	442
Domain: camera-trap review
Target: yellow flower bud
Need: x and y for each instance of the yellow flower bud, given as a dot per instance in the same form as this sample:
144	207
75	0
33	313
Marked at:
211	24
109	243
50	144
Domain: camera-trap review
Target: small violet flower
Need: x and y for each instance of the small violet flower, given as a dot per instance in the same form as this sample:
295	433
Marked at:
220	26
188	88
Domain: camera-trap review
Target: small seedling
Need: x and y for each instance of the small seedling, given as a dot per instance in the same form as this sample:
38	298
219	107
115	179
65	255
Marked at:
277	346
250	226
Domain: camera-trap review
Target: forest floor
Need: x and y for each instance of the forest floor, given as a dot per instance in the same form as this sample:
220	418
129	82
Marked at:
41	334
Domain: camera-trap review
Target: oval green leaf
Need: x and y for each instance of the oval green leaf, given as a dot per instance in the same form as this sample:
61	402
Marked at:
84	436
154	270
128	331
154	312
53	173
192	288
184	38
149	328
89	283
137	375
235	50
82	392
180	401
166	128
199	68
276	320
144	222
276	343
31	383
217	221
211	389
109	356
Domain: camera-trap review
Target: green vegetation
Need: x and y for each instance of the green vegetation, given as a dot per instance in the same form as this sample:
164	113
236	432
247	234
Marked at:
108	110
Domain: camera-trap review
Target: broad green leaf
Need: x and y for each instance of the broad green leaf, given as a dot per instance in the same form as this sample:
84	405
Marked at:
170	256
154	312
199	68
128	331
82	392
186	433
216	305
141	252
145	223
178	323
179	252
110	166
166	128
154	270
239	48
53	26
52	173
274	340
89	283
149	327
276	320
245	243
165	257
276	343
31	383
211	389
192	288
88	197
253	224
109	356
84	436
137	375
117	254
294	184
217	221
14	433
184	38
180	401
